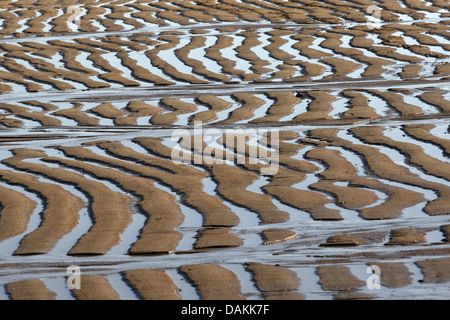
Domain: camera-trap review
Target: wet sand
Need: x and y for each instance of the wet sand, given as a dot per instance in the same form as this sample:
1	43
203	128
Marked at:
87	114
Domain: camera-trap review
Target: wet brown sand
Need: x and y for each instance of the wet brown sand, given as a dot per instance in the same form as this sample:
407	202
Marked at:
86	171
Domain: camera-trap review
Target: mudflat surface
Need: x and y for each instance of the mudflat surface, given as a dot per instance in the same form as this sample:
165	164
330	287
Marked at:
91	108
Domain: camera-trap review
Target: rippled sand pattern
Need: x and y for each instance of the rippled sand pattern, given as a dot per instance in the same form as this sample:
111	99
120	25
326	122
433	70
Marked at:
88	110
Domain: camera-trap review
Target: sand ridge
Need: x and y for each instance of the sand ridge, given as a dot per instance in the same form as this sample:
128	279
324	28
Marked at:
87	114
